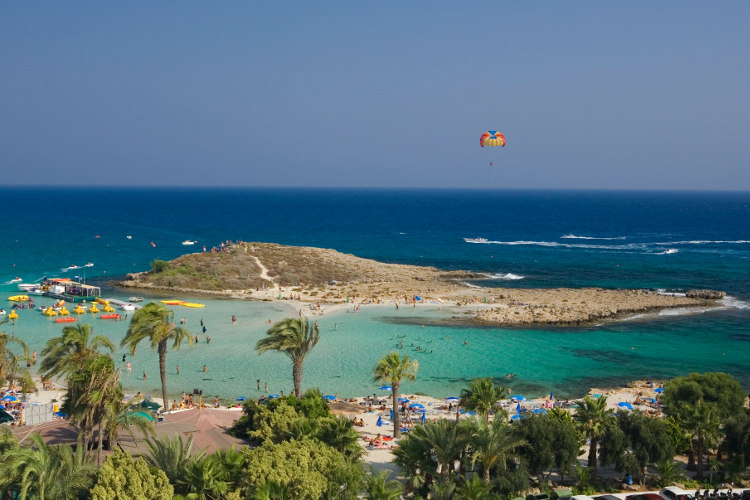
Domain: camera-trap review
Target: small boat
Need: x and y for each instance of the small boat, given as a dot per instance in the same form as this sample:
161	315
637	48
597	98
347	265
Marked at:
89	264
192	304
189	242
2	312
15	280
129	237
173	302
135	299
67	319
25	287
110	316
19	298
127	307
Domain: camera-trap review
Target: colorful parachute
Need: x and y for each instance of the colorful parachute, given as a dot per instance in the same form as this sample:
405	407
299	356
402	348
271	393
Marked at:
492	138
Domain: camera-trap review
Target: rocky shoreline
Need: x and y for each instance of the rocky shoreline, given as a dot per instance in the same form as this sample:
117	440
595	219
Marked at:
272	272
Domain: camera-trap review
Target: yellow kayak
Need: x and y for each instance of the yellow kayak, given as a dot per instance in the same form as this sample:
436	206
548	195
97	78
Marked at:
173	302
19	298
192	304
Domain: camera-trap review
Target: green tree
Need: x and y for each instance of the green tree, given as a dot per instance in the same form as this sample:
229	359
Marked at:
307	469
446	440
11	363
593	418
703	422
551	442
45	471
206	478
720	390
380	487
295	338
122	477
476	489
173	456
71	351
391	369
492	445
482	396
413	455
339	433
156	323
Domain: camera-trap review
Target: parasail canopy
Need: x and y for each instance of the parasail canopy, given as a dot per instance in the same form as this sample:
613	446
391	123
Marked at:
492	138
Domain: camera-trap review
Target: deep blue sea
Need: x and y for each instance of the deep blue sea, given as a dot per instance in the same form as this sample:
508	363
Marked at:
658	240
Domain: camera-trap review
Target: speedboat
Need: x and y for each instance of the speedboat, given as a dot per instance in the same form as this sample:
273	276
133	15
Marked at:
15	280
135	299
127	307
189	242
2	312
25	287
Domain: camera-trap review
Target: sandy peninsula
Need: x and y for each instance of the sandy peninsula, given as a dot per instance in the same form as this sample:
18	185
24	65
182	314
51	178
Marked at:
269	271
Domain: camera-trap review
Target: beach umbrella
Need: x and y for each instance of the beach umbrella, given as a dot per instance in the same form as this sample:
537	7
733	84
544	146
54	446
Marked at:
380	421
328	397
241	398
518	398
650	400
391	414
5	417
659	390
597	395
551	395
540	411
403	400
60	414
416	405
273	396
518	408
385	388
625	405
516	417
451	399
2	407
10	398
424	418
131	416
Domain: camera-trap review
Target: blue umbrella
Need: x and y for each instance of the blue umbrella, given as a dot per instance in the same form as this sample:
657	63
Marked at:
659	390
385	388
451	399
518	398
418	297
59	414
329	397
10	398
650	400
540	411
380	421
597	395
627	406
551	396
416	405
424	419
273	396
516	417
2	407
518	408
391	414
241	398
403	400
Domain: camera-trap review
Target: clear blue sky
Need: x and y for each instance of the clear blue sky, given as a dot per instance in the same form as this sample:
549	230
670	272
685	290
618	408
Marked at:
625	95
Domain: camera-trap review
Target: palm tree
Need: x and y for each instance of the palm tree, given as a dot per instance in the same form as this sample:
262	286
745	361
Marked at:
379	487
9	360
173	456
70	351
391	369
156	322
295	338
47	472
339	433
446	440
593	419
492	445
703	422
482	396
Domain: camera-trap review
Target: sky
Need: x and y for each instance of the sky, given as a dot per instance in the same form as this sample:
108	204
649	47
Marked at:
589	95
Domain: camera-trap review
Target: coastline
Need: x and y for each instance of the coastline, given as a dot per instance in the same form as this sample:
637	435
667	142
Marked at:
372	282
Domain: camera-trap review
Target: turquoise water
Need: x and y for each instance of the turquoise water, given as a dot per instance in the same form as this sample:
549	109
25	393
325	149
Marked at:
531	239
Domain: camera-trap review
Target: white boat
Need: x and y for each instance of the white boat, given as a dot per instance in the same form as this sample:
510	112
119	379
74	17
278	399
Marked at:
25	287
129	237
2	312
189	242
135	299
15	280
127	307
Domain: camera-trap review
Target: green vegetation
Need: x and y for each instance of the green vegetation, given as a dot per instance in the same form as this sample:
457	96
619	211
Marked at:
391	369
156	323
122	477
295	338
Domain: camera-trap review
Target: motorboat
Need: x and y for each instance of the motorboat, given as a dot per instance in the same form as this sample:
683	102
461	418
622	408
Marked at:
127	307
2	312
15	280
25	287
189	242
135	299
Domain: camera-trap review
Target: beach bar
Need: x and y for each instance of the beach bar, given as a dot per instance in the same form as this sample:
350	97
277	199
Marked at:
67	289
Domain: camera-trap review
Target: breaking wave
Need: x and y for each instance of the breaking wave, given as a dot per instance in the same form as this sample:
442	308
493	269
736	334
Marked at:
506	276
576	237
